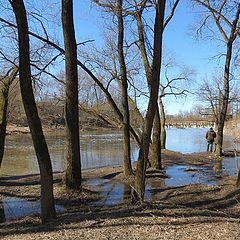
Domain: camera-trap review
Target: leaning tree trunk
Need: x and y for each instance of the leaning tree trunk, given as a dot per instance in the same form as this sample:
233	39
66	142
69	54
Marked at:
156	142
73	171
41	149
225	97
139	186
5	84
163	125
124	89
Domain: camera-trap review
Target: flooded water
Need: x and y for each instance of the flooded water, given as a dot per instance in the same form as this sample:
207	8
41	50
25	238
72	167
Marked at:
15	208
113	193
99	150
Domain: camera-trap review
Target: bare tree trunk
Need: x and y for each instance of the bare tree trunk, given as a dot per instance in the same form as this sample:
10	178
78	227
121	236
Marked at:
225	97
5	84
73	171
138	193
156	142
163	123
41	149
124	87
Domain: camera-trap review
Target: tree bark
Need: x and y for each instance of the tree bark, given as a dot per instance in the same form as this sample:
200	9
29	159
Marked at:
41	149
163	124
124	90
73	168
5	84
139	187
156	142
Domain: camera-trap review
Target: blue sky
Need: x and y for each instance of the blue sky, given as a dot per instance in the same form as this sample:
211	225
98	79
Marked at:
177	38
196	54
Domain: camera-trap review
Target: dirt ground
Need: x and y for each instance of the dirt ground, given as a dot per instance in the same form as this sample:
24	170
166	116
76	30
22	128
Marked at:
188	212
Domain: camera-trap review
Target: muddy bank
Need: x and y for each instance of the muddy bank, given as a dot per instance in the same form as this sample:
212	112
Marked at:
186	212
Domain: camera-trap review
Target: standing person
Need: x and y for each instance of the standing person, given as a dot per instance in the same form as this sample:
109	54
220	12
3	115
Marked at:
210	136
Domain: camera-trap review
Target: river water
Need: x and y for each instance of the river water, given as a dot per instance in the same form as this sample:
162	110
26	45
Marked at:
97	149
105	149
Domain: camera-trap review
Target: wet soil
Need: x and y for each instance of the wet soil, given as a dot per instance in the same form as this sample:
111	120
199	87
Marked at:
184	212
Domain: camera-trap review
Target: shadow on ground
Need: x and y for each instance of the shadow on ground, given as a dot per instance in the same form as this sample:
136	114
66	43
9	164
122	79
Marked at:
191	204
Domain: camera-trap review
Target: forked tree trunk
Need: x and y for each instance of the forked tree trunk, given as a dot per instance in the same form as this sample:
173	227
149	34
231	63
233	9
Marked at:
73	161
5	84
139	186
155	152
41	149
124	90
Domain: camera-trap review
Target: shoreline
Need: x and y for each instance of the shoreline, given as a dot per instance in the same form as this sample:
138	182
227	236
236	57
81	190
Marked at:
229	130
13	129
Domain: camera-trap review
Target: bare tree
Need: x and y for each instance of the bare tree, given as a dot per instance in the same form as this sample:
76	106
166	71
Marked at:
210	93
73	171
147	58
173	85
124	88
139	186
104	64
225	15
116	9
44	161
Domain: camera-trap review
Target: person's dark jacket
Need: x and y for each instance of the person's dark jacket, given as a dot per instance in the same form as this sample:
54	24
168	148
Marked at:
210	135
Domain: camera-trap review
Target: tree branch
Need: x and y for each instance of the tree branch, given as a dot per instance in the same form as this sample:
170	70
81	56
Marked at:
171	14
